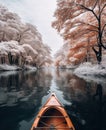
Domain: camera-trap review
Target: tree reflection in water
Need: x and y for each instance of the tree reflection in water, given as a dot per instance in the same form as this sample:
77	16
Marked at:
22	93
85	112
101	105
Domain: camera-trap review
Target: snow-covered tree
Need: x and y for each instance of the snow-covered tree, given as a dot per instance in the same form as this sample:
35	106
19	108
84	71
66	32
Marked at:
61	56
21	43
82	23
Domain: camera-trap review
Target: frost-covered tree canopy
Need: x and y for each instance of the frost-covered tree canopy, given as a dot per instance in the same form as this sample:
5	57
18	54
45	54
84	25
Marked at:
82	24
21	43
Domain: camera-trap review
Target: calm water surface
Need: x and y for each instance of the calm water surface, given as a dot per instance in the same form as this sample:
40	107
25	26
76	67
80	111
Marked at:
23	93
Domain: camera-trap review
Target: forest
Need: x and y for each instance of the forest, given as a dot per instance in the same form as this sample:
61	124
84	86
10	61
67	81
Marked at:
81	24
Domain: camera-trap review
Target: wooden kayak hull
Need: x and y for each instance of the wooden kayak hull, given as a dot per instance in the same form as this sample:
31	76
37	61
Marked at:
52	116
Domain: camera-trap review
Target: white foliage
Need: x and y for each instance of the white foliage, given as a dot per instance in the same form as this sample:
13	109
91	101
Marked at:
20	38
11	46
30	50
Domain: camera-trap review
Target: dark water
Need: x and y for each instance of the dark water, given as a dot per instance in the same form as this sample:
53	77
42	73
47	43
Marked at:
23	93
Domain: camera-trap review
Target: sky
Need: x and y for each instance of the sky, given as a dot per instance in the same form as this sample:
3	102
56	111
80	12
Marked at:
39	13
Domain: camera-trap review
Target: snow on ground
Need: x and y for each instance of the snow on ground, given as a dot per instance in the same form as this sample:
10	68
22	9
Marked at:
90	72
5	67
90	69
28	67
9	67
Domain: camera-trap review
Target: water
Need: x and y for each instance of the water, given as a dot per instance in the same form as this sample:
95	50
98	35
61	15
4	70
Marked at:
23	93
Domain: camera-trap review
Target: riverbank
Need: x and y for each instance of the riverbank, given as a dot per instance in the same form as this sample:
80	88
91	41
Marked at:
5	67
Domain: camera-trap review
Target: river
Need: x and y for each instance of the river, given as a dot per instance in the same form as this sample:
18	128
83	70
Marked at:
22	93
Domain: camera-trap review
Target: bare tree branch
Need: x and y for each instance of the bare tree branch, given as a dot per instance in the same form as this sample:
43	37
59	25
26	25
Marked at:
102	9
103	28
89	24
95	4
95	15
103	46
94	50
93	30
83	7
